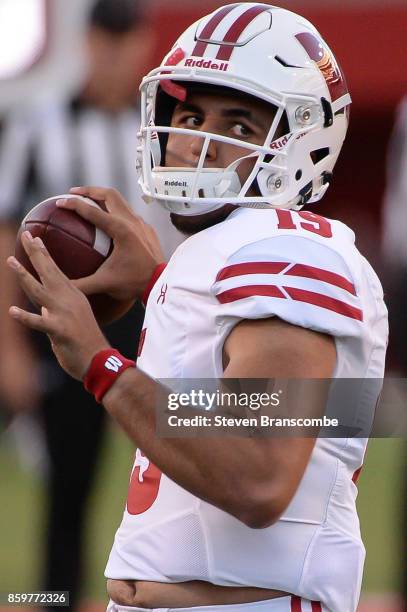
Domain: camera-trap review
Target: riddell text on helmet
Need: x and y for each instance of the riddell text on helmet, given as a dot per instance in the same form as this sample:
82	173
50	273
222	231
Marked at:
209	64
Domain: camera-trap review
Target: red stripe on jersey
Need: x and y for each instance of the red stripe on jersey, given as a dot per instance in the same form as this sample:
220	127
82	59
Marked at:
237	29
252	267
316	606
209	29
239	293
296	604
298	295
159	269
356	475
304	271
141	342
324	301
323	275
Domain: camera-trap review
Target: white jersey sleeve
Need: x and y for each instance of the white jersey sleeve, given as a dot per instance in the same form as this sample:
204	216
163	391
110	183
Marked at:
295	278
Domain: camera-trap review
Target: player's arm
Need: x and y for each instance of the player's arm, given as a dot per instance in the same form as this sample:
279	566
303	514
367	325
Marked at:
251	479
274	349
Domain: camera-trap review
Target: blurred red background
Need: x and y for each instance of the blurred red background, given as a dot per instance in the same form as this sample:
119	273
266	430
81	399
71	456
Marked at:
370	42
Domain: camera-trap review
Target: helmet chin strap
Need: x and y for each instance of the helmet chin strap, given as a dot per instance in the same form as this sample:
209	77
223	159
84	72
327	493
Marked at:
210	183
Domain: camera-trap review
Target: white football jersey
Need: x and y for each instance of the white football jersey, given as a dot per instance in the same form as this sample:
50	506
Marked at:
306	270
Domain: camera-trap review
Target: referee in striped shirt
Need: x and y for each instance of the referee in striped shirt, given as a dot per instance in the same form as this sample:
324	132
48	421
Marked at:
44	151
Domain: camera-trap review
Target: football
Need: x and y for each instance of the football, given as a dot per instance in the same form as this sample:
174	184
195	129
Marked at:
77	246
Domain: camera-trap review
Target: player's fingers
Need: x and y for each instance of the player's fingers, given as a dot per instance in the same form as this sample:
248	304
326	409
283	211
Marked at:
35	291
89	285
46	268
151	233
94	214
97	193
29	319
111	197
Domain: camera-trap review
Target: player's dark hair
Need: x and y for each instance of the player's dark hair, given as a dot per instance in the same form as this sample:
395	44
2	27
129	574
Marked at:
116	16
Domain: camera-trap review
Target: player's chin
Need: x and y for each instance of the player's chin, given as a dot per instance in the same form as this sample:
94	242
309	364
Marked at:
196	223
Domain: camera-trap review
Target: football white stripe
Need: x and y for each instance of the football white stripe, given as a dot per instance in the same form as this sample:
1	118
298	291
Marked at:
102	242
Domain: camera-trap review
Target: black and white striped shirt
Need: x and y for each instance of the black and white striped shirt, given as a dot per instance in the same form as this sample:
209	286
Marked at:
48	149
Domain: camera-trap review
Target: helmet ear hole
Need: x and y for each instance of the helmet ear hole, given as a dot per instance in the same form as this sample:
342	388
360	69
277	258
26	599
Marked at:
328	113
319	154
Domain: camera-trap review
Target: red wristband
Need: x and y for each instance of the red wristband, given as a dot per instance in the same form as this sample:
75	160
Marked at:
154	278
104	370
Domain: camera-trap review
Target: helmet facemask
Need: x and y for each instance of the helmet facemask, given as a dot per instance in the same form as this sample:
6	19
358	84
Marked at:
292	166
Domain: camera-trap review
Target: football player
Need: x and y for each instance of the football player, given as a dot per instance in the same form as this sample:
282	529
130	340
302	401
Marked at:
241	128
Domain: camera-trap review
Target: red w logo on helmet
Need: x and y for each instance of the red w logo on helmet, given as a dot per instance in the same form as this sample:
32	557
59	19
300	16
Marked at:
329	67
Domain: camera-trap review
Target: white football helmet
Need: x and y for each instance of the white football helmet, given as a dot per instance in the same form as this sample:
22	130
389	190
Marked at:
271	54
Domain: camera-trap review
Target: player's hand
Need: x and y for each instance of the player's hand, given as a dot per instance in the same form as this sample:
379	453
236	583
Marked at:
66	315
136	253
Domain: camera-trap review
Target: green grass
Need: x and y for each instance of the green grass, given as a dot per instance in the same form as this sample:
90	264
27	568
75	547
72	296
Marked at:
379	504
106	509
22	516
22	500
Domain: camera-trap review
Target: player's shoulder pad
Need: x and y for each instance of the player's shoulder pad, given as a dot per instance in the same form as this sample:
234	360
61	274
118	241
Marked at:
295	277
